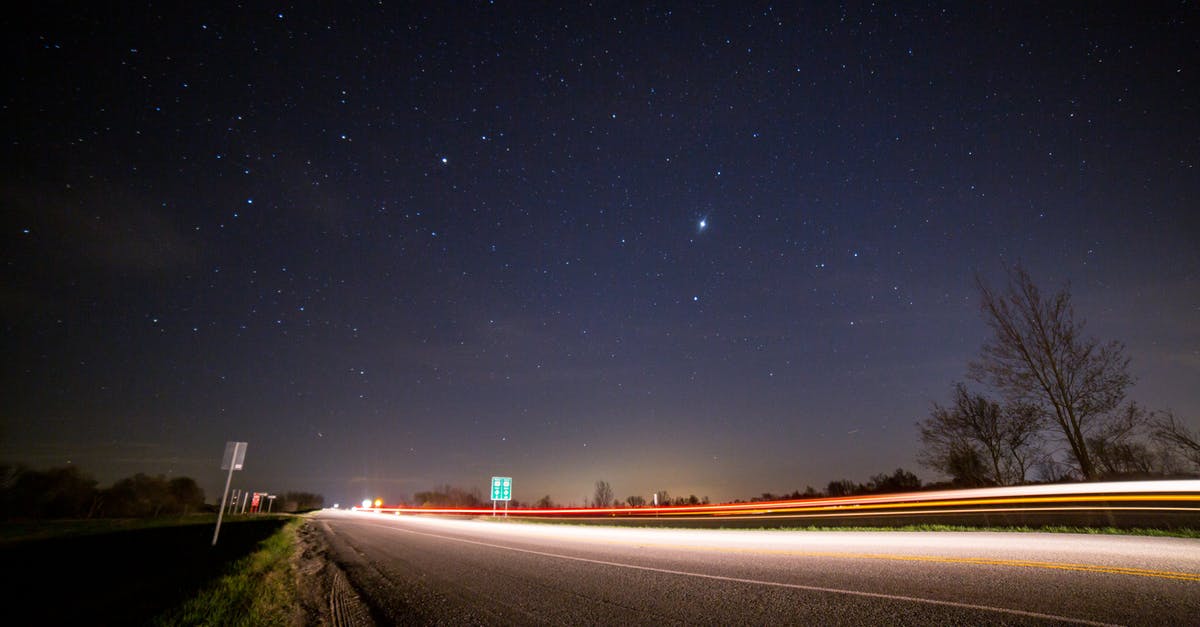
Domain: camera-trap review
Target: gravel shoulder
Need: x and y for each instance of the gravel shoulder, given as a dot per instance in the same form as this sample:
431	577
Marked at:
324	593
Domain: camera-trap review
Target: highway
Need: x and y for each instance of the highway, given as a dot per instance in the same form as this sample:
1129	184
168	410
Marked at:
435	570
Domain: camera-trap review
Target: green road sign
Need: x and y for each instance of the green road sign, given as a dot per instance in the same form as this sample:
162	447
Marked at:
501	488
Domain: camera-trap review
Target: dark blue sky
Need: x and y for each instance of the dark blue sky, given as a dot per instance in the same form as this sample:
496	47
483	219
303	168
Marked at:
399	245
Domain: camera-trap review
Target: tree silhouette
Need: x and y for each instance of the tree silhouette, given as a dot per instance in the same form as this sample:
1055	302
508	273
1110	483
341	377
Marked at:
1178	437
64	492
603	496
979	442
1039	357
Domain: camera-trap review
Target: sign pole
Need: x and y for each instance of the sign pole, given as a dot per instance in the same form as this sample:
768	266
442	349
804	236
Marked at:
221	512
235	455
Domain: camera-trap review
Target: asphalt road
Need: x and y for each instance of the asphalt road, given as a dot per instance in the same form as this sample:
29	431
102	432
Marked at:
426	570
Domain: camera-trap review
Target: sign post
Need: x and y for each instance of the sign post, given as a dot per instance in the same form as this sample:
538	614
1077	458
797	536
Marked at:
235	455
501	491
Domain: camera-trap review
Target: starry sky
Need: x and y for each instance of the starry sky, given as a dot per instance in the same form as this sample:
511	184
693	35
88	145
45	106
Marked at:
716	249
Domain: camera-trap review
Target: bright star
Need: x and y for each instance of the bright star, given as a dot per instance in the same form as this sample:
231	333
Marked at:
703	223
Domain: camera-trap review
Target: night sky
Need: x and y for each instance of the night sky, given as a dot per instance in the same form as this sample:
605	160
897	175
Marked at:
714	250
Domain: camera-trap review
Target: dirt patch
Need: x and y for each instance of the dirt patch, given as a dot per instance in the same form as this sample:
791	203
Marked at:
325	596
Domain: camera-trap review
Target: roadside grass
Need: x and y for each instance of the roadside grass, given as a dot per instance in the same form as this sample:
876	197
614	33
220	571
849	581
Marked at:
259	589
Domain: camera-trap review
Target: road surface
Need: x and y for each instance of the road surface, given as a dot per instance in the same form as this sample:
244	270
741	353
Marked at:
428	570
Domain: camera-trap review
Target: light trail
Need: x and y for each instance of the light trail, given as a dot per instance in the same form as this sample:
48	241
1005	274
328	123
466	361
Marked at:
749	542
1176	496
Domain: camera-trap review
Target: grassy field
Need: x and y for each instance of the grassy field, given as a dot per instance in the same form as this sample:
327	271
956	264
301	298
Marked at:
23	531
142	572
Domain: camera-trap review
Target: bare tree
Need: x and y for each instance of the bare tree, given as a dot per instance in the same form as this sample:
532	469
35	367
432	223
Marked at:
603	496
1118	448
1175	435
1038	356
636	501
978	442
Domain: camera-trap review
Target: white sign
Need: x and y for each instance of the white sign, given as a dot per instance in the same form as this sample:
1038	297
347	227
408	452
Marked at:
235	456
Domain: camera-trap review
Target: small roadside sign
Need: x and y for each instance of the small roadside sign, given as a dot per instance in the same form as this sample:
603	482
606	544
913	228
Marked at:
235	456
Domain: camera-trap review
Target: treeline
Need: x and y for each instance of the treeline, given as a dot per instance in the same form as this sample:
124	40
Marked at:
453	496
899	481
664	499
68	492
292	502
449	496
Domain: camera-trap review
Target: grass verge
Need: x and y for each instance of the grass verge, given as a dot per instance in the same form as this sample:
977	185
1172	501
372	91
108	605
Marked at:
259	589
